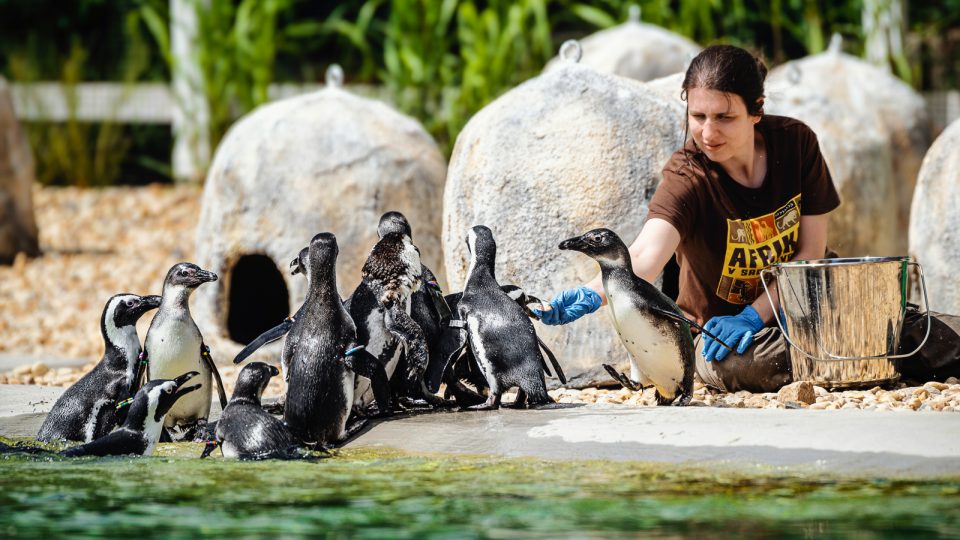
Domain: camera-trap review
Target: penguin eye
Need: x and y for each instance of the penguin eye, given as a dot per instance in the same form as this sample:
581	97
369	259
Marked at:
131	303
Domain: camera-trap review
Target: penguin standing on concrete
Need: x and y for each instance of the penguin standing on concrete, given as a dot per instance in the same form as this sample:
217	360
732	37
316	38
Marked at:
87	410
140	431
245	430
380	307
650	325
174	345
499	334
325	357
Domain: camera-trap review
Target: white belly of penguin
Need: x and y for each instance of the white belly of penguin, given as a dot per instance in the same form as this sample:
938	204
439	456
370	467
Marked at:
379	340
171	358
655	353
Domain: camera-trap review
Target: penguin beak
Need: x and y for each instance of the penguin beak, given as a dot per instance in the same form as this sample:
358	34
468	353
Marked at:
205	276
151	302
576	244
274	371
185	377
295	266
186	390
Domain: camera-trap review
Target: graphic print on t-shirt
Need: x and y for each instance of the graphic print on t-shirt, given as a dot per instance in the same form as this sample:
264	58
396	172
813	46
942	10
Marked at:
754	244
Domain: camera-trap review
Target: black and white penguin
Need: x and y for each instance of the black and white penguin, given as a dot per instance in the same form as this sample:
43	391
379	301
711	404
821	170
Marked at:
325	357
140	431
245	430
87	410
174	345
464	366
650	325
499	334
380	307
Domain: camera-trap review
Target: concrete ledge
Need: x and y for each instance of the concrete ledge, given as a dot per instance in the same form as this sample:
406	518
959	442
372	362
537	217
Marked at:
838	442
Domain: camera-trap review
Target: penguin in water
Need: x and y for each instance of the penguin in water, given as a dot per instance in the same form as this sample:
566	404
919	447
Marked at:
499	334
140	432
650	325
325	357
87	410
175	345
245	430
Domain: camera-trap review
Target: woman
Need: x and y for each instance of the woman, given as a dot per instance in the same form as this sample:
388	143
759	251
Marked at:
747	190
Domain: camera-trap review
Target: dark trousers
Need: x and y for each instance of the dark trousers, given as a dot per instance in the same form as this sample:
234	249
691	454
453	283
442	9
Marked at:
765	365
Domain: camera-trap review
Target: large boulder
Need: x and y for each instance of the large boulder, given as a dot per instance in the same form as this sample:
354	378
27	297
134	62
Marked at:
935	220
18	227
858	155
324	161
565	152
857	86
635	50
669	87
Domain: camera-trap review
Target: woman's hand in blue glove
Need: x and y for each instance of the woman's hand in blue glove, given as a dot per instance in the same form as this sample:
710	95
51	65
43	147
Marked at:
570	305
734	330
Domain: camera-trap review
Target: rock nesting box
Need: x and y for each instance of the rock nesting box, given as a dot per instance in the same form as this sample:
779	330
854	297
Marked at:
18	227
935	221
565	152
855	85
324	161
635	50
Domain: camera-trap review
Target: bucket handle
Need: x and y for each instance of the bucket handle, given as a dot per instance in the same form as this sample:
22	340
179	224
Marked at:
783	330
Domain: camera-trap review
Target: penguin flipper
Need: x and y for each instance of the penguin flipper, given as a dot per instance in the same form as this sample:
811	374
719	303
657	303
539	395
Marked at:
269	336
675	317
401	325
621	378
553	360
207	359
366	365
114	443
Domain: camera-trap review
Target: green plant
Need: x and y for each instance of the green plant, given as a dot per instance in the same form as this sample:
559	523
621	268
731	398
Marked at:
76	152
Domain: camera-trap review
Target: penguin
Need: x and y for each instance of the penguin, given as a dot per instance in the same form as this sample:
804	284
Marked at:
650	325
465	366
174	345
245	430
87	410
499	334
140	431
380	307
325	357
427	308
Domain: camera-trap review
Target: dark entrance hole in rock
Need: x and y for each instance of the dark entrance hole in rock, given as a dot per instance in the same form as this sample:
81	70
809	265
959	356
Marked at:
259	299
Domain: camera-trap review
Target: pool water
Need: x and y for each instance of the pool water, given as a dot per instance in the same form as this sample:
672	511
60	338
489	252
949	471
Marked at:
371	493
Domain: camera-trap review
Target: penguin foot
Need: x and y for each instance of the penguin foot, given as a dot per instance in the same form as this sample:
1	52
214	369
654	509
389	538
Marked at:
491	404
682	400
622	379
661	401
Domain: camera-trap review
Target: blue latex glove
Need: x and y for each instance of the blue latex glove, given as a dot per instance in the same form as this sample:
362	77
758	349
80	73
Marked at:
734	330
570	305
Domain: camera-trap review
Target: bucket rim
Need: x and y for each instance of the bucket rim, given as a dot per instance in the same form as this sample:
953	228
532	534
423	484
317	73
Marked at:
841	261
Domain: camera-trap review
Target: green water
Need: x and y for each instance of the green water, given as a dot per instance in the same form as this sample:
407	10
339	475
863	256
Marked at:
373	494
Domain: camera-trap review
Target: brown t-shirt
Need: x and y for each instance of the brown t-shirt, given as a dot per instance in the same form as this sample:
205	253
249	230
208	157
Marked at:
729	232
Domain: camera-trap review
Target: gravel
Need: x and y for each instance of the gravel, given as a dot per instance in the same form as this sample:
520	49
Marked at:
97	243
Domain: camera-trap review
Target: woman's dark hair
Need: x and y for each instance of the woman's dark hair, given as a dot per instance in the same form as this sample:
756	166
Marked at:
729	69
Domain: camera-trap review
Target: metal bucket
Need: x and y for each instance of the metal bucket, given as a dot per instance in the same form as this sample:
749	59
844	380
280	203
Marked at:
843	317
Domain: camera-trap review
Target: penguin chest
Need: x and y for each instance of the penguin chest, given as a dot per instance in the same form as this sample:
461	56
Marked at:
650	343
173	349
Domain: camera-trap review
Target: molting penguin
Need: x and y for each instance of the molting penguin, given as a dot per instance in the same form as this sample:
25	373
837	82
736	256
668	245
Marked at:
140	432
174	345
500	335
649	324
87	410
245	430
324	356
380	306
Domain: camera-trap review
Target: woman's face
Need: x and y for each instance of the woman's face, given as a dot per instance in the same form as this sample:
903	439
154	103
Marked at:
720	125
